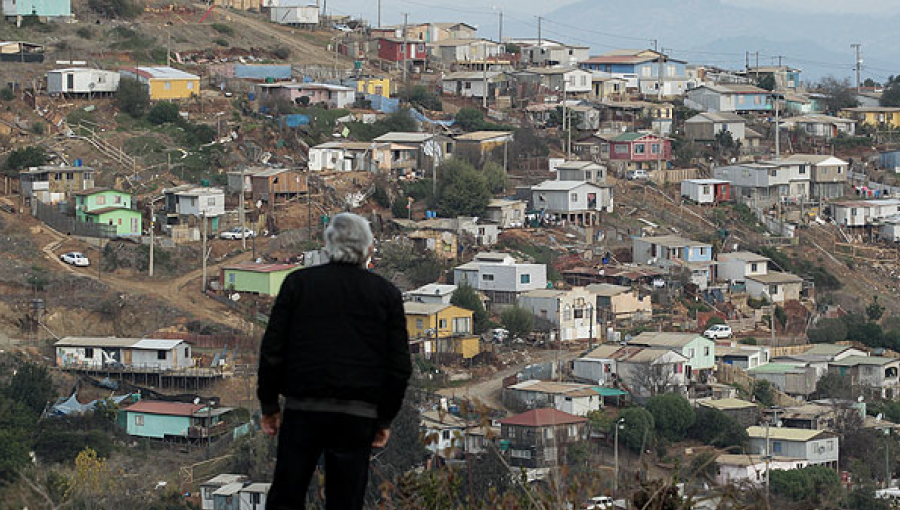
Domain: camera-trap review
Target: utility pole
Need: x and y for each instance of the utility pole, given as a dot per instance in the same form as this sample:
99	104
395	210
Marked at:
858	48
757	66
241	213
484	83
747	64
662	70
540	42
169	47
565	110
152	239
500	35
777	131
404	48
655	44
308	209
379	13
618	426
203	254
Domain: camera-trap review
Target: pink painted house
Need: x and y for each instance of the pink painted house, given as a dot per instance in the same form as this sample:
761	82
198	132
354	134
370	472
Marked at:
333	96
635	151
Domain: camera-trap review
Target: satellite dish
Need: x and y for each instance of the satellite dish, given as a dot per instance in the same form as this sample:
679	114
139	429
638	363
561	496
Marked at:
258	204
778	423
235	297
197	401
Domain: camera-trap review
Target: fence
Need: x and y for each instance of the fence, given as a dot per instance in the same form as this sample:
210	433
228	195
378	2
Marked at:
673	175
69	224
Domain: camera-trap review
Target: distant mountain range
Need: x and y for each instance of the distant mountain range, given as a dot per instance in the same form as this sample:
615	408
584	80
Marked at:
710	31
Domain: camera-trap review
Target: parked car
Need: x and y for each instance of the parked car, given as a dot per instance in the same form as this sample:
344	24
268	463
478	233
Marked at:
75	258
599	503
637	175
718	331
499	335
235	233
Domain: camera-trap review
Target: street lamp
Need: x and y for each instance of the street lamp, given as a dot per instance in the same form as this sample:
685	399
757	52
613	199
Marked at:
620	424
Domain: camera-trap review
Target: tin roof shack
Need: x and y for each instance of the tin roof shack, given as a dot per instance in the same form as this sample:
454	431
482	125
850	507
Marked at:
743	356
108	206
738	468
642	371
671	251
817	447
776	287
828	178
50	9
208	487
737	266
54	184
876	374
253	496
255	278
228	497
540	438
164	83
482	143
82	81
570	312
572	398
745	413
433	293
94	353
451	436
574	201
864	213
173	420
581	171
699	350
621	303
332	96
298	15
706	191
376	157
188	204
809	416
442	329
431	148
795	380
506	213
273	184
707	126
20	51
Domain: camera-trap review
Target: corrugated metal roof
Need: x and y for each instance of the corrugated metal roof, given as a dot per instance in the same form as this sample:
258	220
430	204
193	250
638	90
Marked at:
746	256
166	408
75	341
161	73
542	418
785	434
727	404
666	339
156	344
607	289
775	278
850	361
481	136
229	490
414	308
261	268
564	185
775	368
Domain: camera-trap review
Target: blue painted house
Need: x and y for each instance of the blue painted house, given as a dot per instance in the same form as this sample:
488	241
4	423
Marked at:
889	160
170	420
676	253
729	98
641	70
41	8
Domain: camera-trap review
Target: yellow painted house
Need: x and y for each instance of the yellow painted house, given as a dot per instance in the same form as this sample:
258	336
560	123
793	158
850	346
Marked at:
375	85
873	115
440	328
164	83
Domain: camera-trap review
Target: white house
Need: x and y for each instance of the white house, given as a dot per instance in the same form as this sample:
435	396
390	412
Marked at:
572	398
294	14
879	374
583	171
500	277
469	83
706	191
816	447
578	202
253	496
675	252
699	351
737	266
194	201
861	213
451	51
82	80
215	483
822	126
506	213
568	80
642	371
546	52
776	287
828	174
572	312
93	353
705	126
768	180
432	293
451	436
738	468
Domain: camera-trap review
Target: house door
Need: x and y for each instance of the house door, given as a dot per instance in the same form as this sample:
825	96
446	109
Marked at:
135	227
70	82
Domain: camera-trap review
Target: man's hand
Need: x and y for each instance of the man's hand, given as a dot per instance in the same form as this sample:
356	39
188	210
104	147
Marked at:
271	423
381	438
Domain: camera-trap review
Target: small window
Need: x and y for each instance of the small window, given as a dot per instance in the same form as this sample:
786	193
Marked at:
442	324
639	148
487	277
89	352
139	420
802	169
773	290
706	351
187	353
167	85
654	148
579	313
690	353
117	199
101	200
776	446
753	267
231	277
445	434
525	278
161	355
548	433
574	197
419	324
773	172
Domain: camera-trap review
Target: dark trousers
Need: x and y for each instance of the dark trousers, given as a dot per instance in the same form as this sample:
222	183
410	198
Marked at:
346	442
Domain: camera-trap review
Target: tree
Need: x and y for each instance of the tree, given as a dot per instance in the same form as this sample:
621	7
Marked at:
132	97
465	296
657	495
713	427
25	157
462	190
405	450
421	97
863	498
764	393
874	310
253	455
651	380
839	94
13	455
469	119
31	386
518	321
833	385
162	112
672	414
766	82
496	177
7	94
828	331
115	8
637	430
812	483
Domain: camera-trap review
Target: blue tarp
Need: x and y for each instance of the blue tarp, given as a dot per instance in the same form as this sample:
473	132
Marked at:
382	104
66	406
295	119
419	116
263	71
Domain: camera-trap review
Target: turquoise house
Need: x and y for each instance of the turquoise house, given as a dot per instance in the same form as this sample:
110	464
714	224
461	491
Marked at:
110	207
42	8
170	420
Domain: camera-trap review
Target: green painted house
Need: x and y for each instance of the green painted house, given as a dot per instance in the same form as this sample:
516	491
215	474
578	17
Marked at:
110	207
256	278
161	420
699	350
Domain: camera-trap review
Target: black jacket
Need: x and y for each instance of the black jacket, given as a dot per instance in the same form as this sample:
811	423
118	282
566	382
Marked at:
337	333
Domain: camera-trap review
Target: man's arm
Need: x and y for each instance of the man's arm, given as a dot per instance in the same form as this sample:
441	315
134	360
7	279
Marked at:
272	350
398	365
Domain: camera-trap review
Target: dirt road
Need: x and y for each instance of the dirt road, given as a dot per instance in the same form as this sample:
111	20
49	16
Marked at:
488	391
176	291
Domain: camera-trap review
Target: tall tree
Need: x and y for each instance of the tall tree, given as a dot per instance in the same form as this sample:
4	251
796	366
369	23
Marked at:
838	94
462	190
31	386
518	321
637	428
496	177
132	97
672	414
465	296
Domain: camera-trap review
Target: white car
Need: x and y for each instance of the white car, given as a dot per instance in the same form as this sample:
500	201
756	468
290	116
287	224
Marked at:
235	233
600	503
75	258
637	175
718	331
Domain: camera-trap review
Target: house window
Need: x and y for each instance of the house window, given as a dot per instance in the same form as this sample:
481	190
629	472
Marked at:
574	197
621	149
167	85
445	434
442	324
706	351
579	313
567	313
868	370
690	353
187	353
139	420
773	172
550	454
753	267
161	355
101	200
525	278
520	454
419	324
117	199
89	352
211	202
468	84
773	290
776	446
254	498
231	277
654	148
548	433
639	148
462	325
487	277
802	169
573	430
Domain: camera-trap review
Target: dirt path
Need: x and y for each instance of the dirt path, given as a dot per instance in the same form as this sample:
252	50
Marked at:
488	391
177	292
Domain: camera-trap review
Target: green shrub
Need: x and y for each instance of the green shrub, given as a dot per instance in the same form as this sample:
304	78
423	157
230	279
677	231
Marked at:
282	52
38	127
125	9
132	97
85	32
163	112
7	94
222	28
222	42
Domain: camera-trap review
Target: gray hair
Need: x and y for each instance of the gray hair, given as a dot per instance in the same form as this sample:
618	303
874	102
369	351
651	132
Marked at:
348	239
